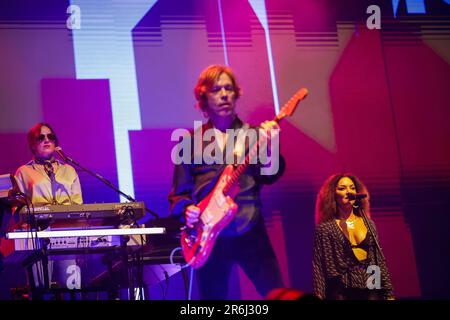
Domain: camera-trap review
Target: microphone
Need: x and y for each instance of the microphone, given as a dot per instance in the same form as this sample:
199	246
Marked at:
62	155
356	196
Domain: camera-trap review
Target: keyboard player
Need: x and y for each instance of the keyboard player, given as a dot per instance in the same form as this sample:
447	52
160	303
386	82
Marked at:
44	179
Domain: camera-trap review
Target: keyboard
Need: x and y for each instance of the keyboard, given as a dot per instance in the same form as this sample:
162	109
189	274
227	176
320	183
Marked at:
81	238
135	210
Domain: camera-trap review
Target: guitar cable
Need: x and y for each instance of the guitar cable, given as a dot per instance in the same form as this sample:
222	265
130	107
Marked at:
189	292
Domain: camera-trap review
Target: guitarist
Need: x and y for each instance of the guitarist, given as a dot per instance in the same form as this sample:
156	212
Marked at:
244	241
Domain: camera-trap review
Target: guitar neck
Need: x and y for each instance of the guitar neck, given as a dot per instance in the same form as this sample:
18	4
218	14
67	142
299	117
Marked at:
240	168
286	110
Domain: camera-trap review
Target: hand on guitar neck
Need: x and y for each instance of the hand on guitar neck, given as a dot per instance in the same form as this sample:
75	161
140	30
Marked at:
268	126
192	212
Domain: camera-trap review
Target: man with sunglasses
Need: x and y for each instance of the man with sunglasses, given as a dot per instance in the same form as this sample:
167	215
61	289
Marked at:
44	179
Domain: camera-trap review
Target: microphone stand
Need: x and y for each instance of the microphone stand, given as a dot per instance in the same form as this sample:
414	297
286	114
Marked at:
369	226
128	197
105	181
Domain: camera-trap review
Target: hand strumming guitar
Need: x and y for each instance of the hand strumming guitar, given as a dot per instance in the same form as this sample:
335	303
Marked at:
191	214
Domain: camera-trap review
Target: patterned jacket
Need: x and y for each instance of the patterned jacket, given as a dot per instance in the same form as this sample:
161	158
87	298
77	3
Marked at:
334	260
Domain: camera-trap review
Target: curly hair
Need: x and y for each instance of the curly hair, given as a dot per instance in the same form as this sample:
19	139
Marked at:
206	81
326	206
34	133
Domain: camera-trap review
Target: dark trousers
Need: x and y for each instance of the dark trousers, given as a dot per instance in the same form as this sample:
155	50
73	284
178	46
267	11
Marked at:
252	251
336	291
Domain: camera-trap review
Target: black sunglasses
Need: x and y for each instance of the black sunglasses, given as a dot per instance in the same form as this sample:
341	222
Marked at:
50	137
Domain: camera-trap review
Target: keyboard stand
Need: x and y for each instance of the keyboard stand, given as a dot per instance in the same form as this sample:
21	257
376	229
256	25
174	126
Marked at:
39	289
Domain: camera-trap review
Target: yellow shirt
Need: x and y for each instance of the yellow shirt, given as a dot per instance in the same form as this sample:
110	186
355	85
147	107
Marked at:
37	185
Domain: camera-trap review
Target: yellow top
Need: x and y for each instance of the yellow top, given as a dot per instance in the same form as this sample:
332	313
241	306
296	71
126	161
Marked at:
38	186
355	230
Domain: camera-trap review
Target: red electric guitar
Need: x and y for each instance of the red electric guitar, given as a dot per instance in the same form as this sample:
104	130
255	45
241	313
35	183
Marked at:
217	209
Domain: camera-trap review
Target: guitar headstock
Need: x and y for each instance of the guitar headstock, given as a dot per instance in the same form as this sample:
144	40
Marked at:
288	109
